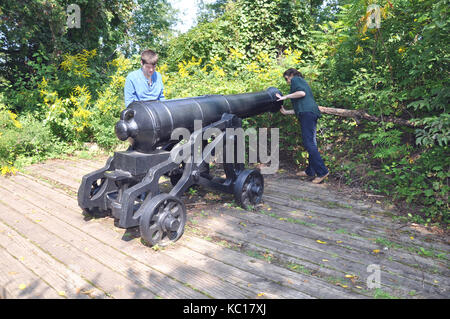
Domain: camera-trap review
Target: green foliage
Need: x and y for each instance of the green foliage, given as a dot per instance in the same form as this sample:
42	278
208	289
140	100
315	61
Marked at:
436	130
70	90
244	26
151	24
42	26
24	138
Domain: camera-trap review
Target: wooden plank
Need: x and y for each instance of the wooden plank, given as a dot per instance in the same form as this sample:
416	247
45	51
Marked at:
200	280
61	279
339	258
226	273
321	222
17	281
306	284
325	193
115	285
49	175
340	213
403	233
67	173
229	272
360	245
113	259
95	163
284	231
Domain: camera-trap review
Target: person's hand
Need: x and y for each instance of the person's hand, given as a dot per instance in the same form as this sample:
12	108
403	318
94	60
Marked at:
280	98
283	111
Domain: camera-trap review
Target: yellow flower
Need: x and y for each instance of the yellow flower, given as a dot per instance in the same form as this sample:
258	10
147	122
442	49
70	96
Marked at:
13	118
359	49
78	63
235	54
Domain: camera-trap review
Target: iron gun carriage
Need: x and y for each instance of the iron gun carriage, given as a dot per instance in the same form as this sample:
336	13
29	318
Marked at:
128	184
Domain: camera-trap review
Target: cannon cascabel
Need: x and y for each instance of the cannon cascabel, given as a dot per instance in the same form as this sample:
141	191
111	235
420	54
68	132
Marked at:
151	123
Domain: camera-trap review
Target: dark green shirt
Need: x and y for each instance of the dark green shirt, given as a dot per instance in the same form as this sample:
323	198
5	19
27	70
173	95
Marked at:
306	103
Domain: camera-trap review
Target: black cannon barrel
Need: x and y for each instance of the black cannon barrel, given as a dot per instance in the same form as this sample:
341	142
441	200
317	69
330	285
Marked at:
151	123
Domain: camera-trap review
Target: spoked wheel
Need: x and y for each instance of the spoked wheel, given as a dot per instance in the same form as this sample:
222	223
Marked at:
249	188
163	220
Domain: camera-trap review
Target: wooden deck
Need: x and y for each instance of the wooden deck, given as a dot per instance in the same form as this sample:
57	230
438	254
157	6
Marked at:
304	241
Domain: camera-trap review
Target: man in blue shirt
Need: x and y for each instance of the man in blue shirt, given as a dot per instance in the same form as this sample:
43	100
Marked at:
144	84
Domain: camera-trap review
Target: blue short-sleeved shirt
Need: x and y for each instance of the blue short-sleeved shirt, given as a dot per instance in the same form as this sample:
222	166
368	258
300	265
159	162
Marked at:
137	87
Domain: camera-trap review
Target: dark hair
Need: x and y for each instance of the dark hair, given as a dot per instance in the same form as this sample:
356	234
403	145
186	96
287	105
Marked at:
293	72
149	56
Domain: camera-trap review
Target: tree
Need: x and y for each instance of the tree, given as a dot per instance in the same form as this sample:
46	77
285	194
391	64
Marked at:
151	25
31	26
210	11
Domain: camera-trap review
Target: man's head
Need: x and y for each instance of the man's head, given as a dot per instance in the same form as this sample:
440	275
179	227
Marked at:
290	73
149	59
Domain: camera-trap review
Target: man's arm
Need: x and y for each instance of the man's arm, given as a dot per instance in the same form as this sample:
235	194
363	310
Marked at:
161	95
128	92
286	112
295	95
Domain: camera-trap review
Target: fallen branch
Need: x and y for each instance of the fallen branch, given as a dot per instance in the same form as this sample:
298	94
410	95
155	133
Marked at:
361	114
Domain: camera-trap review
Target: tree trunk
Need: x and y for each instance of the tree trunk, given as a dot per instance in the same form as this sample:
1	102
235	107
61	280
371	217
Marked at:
361	114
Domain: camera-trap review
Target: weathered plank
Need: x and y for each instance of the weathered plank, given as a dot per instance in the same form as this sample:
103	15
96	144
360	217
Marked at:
340	258
302	242
61	279
305	283
236	276
17	281
202	281
403	232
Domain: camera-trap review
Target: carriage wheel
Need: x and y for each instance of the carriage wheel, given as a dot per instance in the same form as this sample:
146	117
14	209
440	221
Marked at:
163	220
249	188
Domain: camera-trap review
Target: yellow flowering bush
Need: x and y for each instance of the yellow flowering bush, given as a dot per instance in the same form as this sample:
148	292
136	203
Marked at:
78	63
81	98
20	137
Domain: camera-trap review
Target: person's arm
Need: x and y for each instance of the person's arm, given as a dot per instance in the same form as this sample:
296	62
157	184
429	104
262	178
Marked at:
128	92
295	95
286	112
161	96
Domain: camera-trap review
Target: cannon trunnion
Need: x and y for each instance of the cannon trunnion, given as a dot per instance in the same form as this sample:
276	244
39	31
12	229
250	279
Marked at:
128	184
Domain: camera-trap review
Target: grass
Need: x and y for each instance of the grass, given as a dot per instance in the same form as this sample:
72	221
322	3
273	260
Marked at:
380	294
421	251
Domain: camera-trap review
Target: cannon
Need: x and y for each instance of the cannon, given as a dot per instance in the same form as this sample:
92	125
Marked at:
128	187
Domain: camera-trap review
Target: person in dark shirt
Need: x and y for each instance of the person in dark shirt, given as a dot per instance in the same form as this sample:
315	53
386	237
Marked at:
307	112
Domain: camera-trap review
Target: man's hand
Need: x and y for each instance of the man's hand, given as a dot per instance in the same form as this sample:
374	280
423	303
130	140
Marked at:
280	98
285	112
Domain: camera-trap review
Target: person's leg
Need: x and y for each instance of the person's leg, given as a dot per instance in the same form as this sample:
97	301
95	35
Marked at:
306	137
308	122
